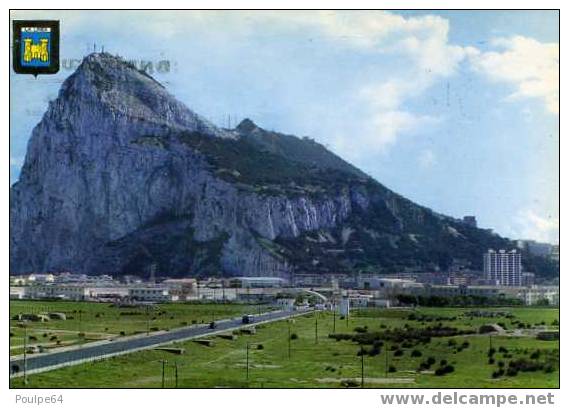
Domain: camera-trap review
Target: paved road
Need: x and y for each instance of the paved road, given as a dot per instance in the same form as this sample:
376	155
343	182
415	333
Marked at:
105	349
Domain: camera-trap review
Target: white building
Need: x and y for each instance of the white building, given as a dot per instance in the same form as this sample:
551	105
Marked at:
109	292
151	294
503	267
18	292
257	282
71	292
40	278
535	294
344	306
286	303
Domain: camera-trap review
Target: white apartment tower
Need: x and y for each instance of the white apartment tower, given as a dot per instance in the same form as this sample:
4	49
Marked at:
503	267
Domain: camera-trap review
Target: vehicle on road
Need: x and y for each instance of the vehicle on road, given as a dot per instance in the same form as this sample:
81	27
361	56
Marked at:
212	325
248	319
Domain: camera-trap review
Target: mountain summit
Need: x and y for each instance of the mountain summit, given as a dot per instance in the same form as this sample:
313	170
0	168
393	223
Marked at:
120	178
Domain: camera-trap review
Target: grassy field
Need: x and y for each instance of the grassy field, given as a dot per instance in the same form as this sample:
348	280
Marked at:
326	362
101	320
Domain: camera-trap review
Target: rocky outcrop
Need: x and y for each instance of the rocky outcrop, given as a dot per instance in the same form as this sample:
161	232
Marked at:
119	176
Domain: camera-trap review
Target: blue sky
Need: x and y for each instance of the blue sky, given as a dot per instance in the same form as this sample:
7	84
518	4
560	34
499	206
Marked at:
457	110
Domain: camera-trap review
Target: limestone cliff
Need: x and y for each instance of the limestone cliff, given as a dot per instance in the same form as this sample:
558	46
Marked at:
119	176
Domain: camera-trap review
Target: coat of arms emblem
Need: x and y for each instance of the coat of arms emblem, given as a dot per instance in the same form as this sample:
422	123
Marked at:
36	47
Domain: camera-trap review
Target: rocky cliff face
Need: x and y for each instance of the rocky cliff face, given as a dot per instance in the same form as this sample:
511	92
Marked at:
120	177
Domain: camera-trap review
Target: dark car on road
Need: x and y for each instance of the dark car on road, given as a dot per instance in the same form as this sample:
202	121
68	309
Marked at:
248	319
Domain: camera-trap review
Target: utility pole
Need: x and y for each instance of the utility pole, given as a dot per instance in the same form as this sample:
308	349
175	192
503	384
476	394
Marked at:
289	339
163	368
362	353
316	328
25	354
176	368
334	311
147	320
82	339
386	361
247	364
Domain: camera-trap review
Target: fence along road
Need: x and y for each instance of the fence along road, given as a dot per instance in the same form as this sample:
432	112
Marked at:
37	363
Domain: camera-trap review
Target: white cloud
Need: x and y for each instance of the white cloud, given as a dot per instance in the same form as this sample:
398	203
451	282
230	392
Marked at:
530	66
531	225
418	48
419	44
388	125
427	159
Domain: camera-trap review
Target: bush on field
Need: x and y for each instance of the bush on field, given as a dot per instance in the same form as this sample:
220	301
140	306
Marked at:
443	370
498	373
349	383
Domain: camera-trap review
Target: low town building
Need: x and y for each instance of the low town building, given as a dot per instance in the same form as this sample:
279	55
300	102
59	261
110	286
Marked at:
151	294
257	282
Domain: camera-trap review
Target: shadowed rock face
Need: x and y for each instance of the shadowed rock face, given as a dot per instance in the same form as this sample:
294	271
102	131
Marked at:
119	176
